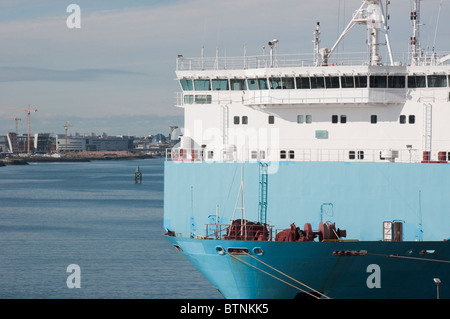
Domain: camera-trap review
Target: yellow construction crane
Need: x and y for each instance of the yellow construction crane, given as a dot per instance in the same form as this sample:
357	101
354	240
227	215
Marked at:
66	126
29	110
17	119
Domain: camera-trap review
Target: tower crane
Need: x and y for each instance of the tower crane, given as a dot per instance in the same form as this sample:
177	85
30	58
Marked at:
17	119
16	146
29	110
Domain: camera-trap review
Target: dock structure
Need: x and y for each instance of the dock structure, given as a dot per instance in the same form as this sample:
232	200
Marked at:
138	176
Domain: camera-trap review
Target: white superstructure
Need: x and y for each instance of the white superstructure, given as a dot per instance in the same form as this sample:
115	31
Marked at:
329	107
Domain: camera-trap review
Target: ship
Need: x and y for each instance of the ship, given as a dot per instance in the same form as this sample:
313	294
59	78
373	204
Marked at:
322	175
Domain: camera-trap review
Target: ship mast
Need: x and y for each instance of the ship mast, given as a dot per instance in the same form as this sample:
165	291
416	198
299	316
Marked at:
370	14
414	41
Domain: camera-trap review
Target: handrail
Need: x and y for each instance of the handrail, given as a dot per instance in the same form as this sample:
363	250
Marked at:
293	60
227	154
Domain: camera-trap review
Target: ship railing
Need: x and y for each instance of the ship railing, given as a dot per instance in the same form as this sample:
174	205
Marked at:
264	61
227	232
300	60
232	154
360	96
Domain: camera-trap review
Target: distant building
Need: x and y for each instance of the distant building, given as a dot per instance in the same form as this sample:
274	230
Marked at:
94	143
13	142
159	138
4	146
42	143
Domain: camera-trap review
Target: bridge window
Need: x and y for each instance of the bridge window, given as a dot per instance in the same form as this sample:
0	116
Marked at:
435	81
252	84
263	84
361	81
186	84
288	83
396	81
378	81
302	83
275	83
238	84
332	82
202	85
347	82
299	119
308	119
282	83
318	82
220	85
271	119
416	81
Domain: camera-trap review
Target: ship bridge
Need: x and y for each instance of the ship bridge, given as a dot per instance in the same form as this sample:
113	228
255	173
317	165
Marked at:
358	85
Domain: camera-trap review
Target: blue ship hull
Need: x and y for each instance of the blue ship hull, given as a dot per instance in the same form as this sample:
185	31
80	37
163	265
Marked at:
285	270
358	197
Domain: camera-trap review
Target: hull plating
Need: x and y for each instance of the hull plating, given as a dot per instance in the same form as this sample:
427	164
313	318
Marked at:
382	270
357	197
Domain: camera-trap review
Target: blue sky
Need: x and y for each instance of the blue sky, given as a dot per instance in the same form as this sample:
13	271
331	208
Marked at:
116	73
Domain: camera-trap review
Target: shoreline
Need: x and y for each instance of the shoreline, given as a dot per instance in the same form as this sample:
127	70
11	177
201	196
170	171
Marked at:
79	157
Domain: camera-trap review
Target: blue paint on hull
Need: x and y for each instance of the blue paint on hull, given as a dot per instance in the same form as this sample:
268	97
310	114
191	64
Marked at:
404	273
363	196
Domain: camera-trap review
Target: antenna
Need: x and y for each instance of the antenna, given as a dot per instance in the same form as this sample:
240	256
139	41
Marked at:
316	41
437	24
273	47
414	41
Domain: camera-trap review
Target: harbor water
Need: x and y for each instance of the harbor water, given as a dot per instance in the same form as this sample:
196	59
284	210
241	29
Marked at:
93	215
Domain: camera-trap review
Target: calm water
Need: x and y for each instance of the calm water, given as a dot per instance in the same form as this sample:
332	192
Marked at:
93	215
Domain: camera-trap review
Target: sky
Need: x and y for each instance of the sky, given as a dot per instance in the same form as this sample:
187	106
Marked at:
116	73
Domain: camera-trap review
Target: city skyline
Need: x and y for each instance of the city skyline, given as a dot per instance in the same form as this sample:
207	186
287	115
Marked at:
115	74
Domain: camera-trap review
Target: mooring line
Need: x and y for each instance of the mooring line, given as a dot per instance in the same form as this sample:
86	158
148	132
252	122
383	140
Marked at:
271	275
293	279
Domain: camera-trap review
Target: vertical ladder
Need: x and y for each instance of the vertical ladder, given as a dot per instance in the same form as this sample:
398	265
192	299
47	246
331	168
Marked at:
427	127
262	193
224	122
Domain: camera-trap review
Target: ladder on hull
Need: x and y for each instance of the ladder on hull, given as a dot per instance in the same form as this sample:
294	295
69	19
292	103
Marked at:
262	193
427	127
